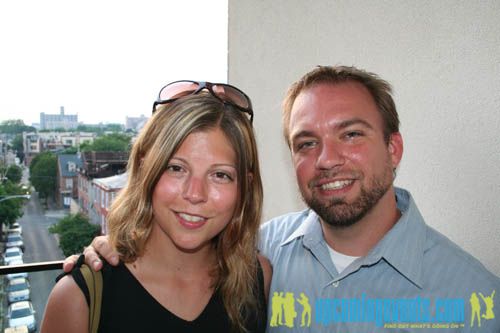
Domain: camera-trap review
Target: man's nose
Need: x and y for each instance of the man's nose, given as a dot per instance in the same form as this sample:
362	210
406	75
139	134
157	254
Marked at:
330	156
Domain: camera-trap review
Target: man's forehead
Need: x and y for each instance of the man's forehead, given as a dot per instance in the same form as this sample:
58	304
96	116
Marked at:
332	107
339	92
325	100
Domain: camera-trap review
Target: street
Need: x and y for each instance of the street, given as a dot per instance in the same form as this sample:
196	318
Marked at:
40	245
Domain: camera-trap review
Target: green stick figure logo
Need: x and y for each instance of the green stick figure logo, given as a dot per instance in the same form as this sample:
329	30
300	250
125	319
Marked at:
306	312
475	304
283	312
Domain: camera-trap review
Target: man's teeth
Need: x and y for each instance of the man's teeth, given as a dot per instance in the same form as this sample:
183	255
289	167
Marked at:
191	218
338	184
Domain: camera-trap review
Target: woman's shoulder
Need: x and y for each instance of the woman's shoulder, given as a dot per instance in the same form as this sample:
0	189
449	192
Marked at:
267	271
66	309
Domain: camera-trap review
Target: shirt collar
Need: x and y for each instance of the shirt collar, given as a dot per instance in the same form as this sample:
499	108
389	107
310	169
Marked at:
310	227
404	245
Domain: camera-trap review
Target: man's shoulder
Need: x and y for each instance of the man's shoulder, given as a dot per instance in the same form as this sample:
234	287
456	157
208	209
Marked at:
445	256
277	230
283	226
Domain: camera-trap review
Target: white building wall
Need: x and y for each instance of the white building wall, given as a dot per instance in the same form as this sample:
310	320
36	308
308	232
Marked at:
442	58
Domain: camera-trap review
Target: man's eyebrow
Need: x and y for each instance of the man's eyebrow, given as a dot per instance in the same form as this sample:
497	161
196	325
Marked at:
353	121
301	134
339	126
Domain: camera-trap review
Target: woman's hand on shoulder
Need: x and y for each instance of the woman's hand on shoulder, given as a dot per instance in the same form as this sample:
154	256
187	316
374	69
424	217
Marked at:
100	246
267	269
66	310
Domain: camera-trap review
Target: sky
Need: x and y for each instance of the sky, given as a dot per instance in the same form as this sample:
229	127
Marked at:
104	59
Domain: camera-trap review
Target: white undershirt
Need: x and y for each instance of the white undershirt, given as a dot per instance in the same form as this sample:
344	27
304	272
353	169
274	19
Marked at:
341	261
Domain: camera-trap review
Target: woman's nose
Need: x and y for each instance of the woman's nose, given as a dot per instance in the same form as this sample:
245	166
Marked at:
195	190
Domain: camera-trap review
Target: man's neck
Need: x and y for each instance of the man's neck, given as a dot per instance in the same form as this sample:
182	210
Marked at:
359	238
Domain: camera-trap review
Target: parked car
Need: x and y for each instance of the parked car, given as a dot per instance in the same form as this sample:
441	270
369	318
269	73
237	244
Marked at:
15	228
21	313
18	290
16	275
17	329
12	254
15	239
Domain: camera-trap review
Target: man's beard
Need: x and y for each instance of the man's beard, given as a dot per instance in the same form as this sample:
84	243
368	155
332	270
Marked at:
338	213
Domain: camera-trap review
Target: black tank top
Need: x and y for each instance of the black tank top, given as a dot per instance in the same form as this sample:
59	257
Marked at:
128	308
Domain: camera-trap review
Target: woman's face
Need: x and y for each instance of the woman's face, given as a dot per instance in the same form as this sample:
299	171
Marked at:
196	196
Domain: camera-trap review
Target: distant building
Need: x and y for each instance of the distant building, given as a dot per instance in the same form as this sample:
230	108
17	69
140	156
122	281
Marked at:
97	165
67	178
32	145
135	123
56	141
100	164
35	143
85	197
7	156
53	121
105	191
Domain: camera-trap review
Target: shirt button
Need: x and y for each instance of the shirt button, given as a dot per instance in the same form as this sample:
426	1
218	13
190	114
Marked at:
335	284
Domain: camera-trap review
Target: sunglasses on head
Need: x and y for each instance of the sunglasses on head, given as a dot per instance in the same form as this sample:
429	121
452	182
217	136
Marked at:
226	93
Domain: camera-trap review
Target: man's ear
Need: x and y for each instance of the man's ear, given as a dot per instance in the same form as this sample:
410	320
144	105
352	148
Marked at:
396	148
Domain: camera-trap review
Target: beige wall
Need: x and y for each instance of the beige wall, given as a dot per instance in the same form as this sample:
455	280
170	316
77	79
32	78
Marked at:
442	58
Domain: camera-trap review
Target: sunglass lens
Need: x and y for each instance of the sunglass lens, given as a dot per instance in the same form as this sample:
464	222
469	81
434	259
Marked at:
232	95
177	90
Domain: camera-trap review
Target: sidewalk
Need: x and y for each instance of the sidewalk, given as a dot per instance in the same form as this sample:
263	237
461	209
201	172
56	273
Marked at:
57	213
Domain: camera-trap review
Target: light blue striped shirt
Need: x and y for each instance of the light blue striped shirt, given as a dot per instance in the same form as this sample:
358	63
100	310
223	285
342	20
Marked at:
414	280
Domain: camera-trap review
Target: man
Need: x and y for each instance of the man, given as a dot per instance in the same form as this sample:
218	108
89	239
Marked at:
361	253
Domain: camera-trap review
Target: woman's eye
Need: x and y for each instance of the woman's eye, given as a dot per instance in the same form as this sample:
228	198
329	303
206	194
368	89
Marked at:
174	168
223	176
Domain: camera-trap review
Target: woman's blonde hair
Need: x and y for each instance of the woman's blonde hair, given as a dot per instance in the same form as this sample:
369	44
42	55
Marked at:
131	215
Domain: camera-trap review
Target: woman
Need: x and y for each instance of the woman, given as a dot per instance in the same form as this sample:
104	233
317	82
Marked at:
185	225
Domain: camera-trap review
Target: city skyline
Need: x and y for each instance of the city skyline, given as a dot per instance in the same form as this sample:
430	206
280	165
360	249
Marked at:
104	61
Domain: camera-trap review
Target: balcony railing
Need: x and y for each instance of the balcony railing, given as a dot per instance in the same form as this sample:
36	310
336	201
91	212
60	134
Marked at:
31	267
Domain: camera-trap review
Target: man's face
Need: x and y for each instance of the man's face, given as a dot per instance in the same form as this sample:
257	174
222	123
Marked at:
342	162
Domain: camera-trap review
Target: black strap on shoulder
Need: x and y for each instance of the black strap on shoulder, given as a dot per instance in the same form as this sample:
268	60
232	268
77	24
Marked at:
94	283
91	284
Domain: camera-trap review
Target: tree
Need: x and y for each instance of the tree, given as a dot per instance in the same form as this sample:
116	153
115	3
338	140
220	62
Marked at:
43	174
15	126
57	129
10	210
110	142
100	128
13	173
70	150
17	145
75	232
113	127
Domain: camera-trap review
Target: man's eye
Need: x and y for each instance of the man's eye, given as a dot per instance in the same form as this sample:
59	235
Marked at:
305	145
353	134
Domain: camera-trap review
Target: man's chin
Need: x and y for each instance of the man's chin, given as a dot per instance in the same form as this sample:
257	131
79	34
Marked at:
336	214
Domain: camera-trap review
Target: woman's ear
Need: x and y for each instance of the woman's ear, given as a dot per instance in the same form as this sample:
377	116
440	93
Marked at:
141	161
